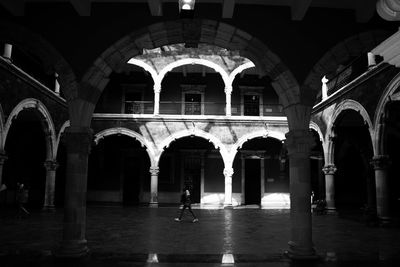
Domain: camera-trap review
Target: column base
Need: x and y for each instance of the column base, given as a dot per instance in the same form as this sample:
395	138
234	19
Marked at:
332	211
228	206
385	221
153	204
72	249
296	252
49	208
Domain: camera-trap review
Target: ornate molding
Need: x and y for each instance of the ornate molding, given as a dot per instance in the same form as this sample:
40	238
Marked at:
154	171
380	162
228	172
329	169
51	165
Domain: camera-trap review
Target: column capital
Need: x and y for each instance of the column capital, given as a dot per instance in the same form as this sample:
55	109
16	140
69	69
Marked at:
299	142
228	89
3	157
51	165
329	169
79	139
228	172
380	162
157	88
154	170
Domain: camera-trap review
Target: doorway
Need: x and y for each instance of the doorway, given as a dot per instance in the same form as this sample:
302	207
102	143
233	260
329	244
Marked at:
192	173
252	181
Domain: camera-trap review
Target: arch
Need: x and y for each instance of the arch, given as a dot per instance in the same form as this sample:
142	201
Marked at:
49	56
62	130
262	133
146	67
342	106
198	61
130	133
199	133
1	129
238	70
49	128
316	128
387	96
340	54
183	31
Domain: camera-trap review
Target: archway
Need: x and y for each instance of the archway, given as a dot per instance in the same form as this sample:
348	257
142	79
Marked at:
26	148
118	171
354	179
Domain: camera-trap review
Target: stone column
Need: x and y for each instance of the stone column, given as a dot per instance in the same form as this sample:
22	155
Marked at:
329	171
157	90
202	164
154	171
78	143
56	84
228	93
7	51
299	144
51	167
262	182
243	180
3	158
324	88
381	163
228	172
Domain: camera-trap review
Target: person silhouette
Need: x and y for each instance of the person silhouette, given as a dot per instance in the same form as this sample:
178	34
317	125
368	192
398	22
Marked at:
186	202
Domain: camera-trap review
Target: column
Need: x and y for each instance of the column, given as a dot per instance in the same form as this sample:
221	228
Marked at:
157	90
202	164
228	93
381	163
243	180
56	84
154	170
262	182
51	167
78	144
329	171
299	144
324	88
7	51
228	172
371	60
3	158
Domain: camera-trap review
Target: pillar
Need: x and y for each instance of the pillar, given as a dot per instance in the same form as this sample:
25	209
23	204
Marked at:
324	88
157	90
7	51
371	60
228	94
56	84
3	158
243	180
329	171
154	170
51	167
262	182
78	144
228	172
381	163
298	143
202	164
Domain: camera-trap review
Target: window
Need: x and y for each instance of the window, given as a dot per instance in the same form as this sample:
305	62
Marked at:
133	98
251	105
193	99
251	100
192	104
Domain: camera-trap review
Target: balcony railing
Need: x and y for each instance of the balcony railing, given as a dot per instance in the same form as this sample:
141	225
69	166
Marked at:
356	67
204	108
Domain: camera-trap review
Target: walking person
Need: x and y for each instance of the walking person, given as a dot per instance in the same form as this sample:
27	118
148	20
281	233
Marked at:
22	199
186	202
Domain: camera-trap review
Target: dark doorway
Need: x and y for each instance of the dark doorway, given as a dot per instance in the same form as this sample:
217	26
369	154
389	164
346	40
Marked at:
131	188
252	181
192	174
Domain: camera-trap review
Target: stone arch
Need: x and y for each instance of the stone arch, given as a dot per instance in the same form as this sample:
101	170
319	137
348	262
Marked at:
51	59
342	106
238	70
198	133
47	122
316	128
1	129
60	133
198	61
262	133
125	131
147	68
185	31
340	54
387	96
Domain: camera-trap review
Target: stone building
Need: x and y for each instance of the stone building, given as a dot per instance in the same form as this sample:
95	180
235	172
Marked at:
246	102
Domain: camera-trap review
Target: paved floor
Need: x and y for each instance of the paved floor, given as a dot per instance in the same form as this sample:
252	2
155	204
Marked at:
136	236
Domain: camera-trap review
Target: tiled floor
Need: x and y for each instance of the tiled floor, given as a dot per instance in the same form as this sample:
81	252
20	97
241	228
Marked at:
119	236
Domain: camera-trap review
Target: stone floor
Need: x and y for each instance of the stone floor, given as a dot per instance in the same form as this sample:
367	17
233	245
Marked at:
140	236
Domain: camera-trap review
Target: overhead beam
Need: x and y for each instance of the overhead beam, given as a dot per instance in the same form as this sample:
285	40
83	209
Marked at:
15	7
228	8
155	7
82	7
365	10
299	8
